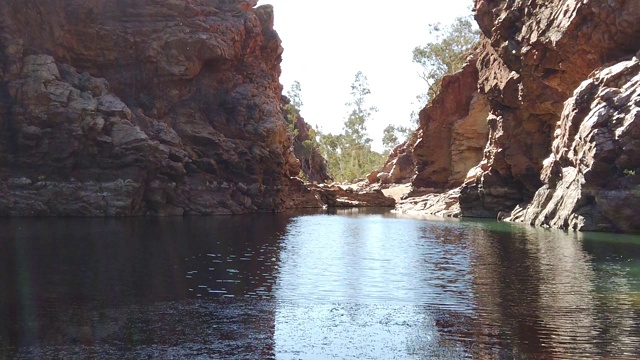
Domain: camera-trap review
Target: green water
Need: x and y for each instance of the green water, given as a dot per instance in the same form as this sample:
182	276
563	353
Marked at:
348	285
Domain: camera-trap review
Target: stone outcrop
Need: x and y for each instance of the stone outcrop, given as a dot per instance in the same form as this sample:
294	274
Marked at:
439	204
532	57
400	167
448	143
449	140
452	132
592	178
358	195
133	107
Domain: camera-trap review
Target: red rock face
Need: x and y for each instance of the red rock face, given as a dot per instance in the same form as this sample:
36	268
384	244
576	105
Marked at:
452	132
533	55
592	178
449	140
141	107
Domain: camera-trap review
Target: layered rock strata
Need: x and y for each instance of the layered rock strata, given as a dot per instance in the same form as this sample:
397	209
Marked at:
127	107
532	58
535	55
449	140
592	177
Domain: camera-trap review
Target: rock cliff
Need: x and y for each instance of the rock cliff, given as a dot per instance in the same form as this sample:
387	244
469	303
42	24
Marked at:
558	160
129	107
592	177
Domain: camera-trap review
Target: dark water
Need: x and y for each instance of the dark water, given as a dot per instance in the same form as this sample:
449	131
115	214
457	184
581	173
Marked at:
315	286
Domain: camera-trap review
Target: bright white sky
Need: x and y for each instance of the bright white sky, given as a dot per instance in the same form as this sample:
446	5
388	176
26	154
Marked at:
326	43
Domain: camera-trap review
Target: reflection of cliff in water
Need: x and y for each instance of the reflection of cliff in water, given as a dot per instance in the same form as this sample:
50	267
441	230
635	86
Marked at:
617	287
99	282
321	286
564	314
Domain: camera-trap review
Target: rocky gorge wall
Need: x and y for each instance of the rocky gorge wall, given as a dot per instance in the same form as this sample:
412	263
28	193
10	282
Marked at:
592	177
131	107
561	148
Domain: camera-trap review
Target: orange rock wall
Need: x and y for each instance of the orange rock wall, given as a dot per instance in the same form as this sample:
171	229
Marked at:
543	144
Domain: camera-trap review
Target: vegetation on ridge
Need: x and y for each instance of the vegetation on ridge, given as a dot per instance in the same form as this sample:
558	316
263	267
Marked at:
447	54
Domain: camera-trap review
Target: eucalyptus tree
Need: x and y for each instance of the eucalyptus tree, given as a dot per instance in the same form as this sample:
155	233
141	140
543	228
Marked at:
349	154
447	53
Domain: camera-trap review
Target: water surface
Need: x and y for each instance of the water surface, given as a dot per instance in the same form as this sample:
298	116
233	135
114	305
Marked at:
349	285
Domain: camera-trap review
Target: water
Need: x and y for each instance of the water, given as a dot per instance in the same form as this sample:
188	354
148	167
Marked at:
351	285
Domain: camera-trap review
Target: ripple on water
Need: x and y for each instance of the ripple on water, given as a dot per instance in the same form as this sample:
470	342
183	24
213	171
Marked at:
372	286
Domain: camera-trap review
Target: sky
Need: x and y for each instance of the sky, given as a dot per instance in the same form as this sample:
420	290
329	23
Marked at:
326	43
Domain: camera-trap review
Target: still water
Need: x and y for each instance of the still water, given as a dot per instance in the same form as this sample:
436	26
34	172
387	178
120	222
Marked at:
348	285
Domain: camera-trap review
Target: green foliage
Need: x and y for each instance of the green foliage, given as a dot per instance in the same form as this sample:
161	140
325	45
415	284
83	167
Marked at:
394	135
422	102
307	147
629	172
291	121
304	144
293	108
349	155
295	96
447	53
303	148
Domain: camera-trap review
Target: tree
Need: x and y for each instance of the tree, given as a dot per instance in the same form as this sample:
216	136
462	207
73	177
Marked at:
389	137
349	155
292	109
393	135
422	99
294	95
447	53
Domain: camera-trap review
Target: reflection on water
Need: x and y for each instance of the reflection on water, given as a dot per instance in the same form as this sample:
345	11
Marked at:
352	284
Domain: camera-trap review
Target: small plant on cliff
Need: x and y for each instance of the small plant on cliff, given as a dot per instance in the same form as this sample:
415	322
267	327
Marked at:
629	172
447	53
349	155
